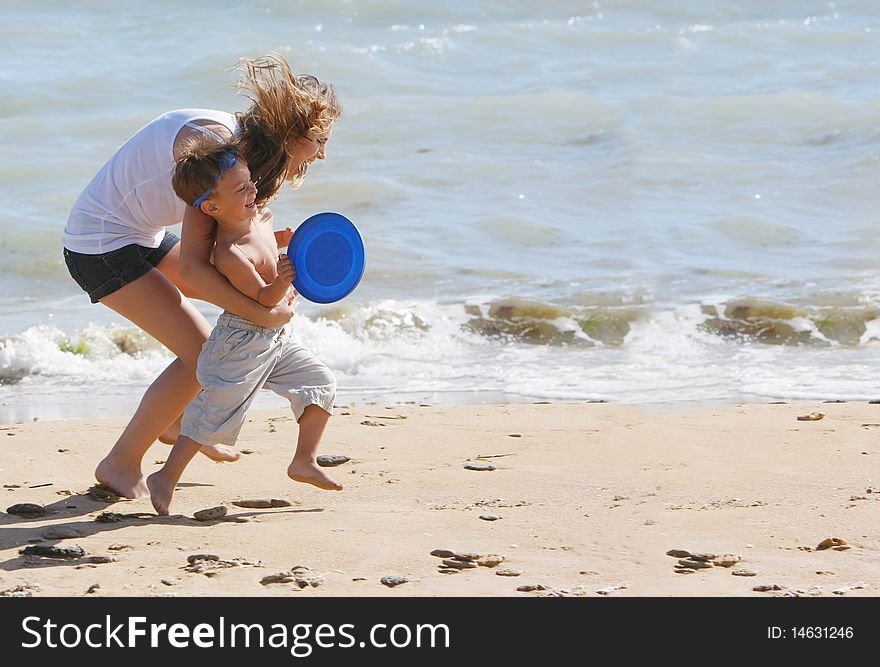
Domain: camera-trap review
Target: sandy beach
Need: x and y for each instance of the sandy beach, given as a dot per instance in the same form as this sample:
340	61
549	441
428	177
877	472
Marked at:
583	500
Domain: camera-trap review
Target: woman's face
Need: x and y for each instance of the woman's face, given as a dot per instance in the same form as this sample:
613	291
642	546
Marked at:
306	150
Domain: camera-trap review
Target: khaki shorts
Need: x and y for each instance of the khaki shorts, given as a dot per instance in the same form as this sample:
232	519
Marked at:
239	359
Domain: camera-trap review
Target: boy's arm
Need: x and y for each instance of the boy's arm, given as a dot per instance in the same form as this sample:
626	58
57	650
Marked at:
198	271
239	270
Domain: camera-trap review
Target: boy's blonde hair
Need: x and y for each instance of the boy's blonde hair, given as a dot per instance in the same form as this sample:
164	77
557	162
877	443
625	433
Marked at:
200	167
286	108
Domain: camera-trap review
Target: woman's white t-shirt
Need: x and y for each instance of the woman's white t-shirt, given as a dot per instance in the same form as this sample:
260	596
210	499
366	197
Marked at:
130	200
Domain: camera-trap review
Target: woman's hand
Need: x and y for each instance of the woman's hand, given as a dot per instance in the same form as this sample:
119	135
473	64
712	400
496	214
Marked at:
283	236
279	315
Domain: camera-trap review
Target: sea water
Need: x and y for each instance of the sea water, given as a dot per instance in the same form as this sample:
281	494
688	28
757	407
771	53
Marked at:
627	201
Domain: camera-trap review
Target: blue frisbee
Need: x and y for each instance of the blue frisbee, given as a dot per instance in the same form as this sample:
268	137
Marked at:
328	254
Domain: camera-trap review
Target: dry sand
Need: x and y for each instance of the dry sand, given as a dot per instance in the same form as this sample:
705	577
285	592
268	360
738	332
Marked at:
589	498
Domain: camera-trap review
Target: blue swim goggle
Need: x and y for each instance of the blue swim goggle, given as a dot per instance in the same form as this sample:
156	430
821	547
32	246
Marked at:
226	161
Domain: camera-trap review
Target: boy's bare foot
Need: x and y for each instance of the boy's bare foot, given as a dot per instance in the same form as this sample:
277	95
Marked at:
124	482
310	472
160	493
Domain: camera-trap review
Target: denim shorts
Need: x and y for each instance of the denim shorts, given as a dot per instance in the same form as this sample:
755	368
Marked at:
101	275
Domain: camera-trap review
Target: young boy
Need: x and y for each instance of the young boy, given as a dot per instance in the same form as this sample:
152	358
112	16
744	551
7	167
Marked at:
240	357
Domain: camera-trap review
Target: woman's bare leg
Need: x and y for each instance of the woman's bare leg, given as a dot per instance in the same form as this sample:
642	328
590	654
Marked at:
170	268
155	305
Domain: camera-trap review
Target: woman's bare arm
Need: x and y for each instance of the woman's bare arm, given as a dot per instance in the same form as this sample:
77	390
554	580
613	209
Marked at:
197	244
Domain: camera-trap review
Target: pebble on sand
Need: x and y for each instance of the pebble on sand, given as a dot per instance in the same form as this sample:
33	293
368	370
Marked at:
210	514
528	588
507	572
203	557
331	460
443	553
812	417
61	532
694	564
27	510
679	553
479	465
262	503
727	560
489	517
490	560
610	589
53	552
829	542
459	563
742	572
763	588
279	578
393	581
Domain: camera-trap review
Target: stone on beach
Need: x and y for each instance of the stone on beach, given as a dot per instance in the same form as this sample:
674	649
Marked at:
812	417
742	572
61	532
331	460
829	542
393	580
307	582
443	553
210	514
21	591
53	552
610	589
489	517
102	493
490	560
27	510
262	503
508	572
201	557
694	564
528	588
459	563
279	578
100	560
727	560
763	588
479	465
679	553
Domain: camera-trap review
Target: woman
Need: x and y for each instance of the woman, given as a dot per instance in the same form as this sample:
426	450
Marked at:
117	249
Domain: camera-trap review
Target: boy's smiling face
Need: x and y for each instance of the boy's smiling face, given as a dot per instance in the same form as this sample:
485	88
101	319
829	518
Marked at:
232	199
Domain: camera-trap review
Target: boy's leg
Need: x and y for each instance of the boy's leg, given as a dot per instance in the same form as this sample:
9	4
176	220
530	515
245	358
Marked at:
302	379
304	467
163	482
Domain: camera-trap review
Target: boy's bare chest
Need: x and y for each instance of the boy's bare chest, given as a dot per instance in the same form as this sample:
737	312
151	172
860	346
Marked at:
261	250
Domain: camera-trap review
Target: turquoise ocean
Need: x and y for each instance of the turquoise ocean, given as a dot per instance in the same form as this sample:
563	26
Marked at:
627	201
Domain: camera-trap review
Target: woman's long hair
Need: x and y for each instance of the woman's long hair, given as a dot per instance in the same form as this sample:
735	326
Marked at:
286	108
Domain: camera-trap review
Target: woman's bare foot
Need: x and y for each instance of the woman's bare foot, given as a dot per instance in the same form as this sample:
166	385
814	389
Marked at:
161	493
220	453
213	452
124	482
310	472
